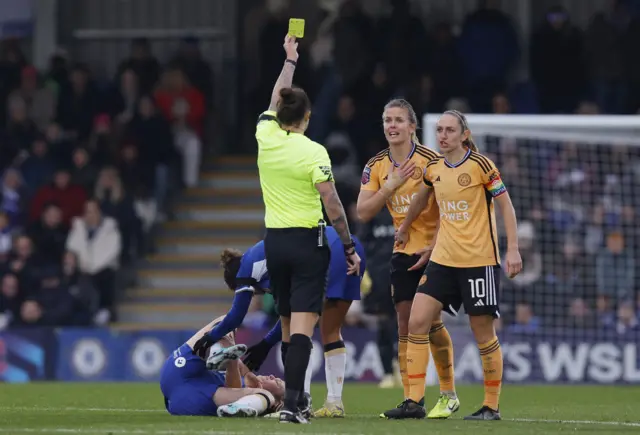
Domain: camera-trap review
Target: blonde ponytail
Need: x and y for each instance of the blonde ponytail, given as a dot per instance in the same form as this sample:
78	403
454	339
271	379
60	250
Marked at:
414	138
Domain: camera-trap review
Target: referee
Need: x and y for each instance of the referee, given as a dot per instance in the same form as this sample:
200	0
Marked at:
295	173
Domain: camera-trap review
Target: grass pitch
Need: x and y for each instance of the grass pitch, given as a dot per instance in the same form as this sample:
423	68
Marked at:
82	408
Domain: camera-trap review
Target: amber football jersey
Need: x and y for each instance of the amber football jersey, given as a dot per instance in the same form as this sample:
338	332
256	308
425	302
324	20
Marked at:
464	194
374	176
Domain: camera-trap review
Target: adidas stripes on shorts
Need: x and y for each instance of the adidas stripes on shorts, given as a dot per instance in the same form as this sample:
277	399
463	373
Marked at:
475	288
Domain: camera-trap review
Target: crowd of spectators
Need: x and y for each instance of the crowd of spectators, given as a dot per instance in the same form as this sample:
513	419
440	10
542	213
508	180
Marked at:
352	63
87	169
576	203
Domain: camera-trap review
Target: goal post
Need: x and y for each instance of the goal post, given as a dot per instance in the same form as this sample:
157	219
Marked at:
592	129
575	184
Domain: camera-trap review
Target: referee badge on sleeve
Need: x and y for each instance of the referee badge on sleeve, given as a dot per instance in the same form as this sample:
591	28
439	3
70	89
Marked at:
366	175
326	170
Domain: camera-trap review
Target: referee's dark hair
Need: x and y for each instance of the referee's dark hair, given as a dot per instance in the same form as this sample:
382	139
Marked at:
293	106
230	262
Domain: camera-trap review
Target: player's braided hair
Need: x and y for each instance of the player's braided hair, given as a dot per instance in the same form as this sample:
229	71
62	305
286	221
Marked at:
230	262
469	143
413	118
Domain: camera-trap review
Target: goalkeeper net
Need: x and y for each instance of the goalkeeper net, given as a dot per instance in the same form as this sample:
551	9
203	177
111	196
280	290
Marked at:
575	184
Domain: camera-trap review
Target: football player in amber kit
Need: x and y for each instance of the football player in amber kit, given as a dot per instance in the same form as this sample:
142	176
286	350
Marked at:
464	268
393	177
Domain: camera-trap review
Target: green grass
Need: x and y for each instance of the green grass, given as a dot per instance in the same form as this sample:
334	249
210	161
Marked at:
82	408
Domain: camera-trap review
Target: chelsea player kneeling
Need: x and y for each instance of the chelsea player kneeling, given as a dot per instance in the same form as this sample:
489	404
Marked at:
189	388
247	274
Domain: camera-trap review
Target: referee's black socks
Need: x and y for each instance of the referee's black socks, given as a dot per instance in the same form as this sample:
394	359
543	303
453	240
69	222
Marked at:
295	367
284	348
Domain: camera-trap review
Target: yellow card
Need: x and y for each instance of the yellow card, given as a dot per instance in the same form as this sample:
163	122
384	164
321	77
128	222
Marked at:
296	27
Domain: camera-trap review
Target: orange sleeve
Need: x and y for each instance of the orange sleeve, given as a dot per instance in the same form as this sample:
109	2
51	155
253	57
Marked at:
370	178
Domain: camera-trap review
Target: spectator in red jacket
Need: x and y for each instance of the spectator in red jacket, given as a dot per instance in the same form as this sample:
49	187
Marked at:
69	197
184	107
179	101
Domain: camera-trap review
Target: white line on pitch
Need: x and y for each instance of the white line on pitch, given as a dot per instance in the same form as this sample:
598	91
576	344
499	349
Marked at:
72	408
133	431
138	431
585	422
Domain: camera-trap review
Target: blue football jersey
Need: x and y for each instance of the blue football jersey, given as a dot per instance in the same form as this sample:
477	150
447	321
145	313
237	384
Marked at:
253	274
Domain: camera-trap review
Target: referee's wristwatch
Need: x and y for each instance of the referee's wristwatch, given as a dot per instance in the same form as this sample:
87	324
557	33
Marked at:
349	248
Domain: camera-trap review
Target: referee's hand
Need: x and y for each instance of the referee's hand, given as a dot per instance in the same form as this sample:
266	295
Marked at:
291	47
353	263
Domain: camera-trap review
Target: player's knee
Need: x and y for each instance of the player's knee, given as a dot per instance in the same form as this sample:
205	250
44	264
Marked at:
330	329
437	318
330	335
303	323
419	325
482	327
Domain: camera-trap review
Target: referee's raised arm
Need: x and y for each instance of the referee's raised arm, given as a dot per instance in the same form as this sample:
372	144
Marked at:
295	173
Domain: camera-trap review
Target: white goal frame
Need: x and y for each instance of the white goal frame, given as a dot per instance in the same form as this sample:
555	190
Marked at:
594	129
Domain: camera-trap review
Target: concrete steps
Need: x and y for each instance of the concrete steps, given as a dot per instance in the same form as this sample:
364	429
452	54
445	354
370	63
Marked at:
182	284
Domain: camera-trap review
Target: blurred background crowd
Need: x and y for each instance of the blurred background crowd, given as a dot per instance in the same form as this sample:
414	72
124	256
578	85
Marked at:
87	169
86	157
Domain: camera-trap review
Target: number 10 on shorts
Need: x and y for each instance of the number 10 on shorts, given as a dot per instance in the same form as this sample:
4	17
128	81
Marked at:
483	288
478	288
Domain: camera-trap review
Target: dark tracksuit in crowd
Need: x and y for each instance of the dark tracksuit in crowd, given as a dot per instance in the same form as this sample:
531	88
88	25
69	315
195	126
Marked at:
377	237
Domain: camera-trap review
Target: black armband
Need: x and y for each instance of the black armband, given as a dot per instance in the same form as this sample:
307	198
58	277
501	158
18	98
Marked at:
292	62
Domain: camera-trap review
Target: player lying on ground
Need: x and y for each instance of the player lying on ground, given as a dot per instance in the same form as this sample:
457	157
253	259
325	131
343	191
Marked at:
247	274
190	389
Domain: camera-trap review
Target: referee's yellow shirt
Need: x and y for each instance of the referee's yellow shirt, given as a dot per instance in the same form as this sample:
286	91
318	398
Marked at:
290	165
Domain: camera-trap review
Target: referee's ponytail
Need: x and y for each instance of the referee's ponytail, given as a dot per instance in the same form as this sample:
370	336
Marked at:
469	143
230	262
293	106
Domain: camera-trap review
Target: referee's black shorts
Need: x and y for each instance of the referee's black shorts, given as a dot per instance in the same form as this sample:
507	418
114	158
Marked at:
298	269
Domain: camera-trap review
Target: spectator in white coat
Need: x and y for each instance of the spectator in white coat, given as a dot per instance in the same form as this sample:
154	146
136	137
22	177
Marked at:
95	240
